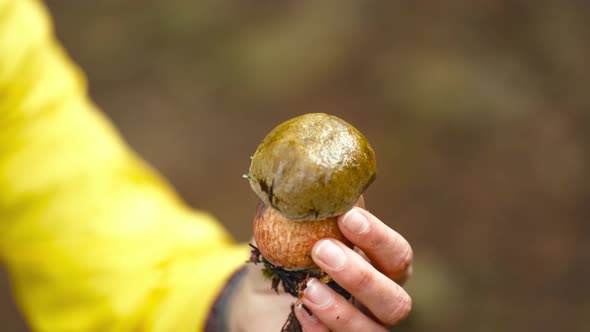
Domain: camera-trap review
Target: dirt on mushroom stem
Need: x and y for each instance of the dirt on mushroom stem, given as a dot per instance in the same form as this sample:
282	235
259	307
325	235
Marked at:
294	283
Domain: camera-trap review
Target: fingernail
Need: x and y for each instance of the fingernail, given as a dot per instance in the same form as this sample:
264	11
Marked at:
307	315
331	254
355	222
318	293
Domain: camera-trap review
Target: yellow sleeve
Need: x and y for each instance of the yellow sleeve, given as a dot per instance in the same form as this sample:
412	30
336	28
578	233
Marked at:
93	239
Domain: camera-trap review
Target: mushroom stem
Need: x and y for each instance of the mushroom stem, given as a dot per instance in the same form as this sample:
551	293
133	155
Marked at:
287	243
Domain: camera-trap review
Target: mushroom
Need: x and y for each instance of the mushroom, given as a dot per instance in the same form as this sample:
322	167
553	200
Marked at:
307	171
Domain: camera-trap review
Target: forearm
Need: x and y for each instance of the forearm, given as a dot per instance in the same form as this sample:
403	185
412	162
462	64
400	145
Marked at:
92	237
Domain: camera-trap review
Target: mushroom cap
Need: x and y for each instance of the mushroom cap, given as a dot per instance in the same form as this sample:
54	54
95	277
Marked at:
312	167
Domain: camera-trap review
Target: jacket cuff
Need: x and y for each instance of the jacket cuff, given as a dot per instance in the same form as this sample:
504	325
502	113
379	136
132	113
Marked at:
216	320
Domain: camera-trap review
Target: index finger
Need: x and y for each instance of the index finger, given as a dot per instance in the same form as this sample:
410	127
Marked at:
388	251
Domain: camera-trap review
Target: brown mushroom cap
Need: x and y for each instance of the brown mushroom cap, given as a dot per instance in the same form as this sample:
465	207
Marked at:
312	167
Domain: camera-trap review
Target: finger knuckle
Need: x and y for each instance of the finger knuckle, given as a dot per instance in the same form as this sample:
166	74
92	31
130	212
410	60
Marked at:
405	260
397	310
402	310
375	241
363	281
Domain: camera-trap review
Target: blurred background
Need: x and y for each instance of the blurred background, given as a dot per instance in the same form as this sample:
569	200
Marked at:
479	113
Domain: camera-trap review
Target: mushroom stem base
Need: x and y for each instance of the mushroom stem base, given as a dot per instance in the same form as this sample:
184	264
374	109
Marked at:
293	282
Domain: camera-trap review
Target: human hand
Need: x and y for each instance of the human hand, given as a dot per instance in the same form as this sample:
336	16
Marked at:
381	301
375	285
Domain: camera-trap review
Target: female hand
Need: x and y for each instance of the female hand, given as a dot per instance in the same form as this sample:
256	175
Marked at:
376	285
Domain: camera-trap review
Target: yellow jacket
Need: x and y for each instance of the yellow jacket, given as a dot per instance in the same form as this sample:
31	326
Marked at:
93	239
